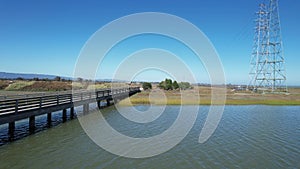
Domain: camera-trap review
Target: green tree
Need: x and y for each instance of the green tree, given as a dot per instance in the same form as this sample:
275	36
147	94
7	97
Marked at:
185	85
168	85
79	79
147	85
35	79
57	78
162	85
20	78
175	85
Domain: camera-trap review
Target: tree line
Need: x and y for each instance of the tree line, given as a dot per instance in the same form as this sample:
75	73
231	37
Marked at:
168	84
57	78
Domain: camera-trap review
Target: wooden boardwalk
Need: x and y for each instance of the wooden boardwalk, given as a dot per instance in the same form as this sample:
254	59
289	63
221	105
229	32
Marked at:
13	109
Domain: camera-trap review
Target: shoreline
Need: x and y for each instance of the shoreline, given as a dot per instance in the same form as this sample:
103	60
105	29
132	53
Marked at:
228	103
174	98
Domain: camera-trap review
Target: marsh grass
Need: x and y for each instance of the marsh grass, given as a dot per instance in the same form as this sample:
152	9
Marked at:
47	86
247	98
19	85
172	97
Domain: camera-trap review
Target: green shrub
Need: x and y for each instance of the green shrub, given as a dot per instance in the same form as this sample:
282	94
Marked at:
147	85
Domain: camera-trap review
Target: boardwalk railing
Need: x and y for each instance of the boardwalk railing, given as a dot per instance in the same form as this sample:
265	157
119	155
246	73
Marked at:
47	103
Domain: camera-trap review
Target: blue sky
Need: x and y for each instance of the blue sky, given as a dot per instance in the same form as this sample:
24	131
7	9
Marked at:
47	36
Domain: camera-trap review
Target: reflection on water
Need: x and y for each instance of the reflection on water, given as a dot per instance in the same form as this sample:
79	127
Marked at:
247	137
22	127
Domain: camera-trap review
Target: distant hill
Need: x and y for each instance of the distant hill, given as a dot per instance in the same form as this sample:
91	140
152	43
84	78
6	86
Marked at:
5	75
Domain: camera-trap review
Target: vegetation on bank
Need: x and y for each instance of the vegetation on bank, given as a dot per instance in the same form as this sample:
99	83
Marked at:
168	84
147	86
139	101
172	91
19	85
48	86
174	98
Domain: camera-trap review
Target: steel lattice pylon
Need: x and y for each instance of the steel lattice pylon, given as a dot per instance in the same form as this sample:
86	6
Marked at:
267	62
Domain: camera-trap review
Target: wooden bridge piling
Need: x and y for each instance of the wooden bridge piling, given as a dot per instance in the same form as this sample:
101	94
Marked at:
11	128
98	104
72	112
31	124
64	115
107	102
85	108
49	118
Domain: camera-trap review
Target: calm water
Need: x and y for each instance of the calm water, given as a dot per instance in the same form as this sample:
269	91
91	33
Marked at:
247	137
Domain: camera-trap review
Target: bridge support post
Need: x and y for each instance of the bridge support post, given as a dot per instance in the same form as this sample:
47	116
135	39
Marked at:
11	128
72	112
64	115
49	118
99	104
31	124
85	108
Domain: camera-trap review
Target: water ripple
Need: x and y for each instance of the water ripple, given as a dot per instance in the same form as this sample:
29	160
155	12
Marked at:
247	137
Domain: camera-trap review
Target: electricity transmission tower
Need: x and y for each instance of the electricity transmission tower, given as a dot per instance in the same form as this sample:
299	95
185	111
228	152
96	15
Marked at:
267	71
